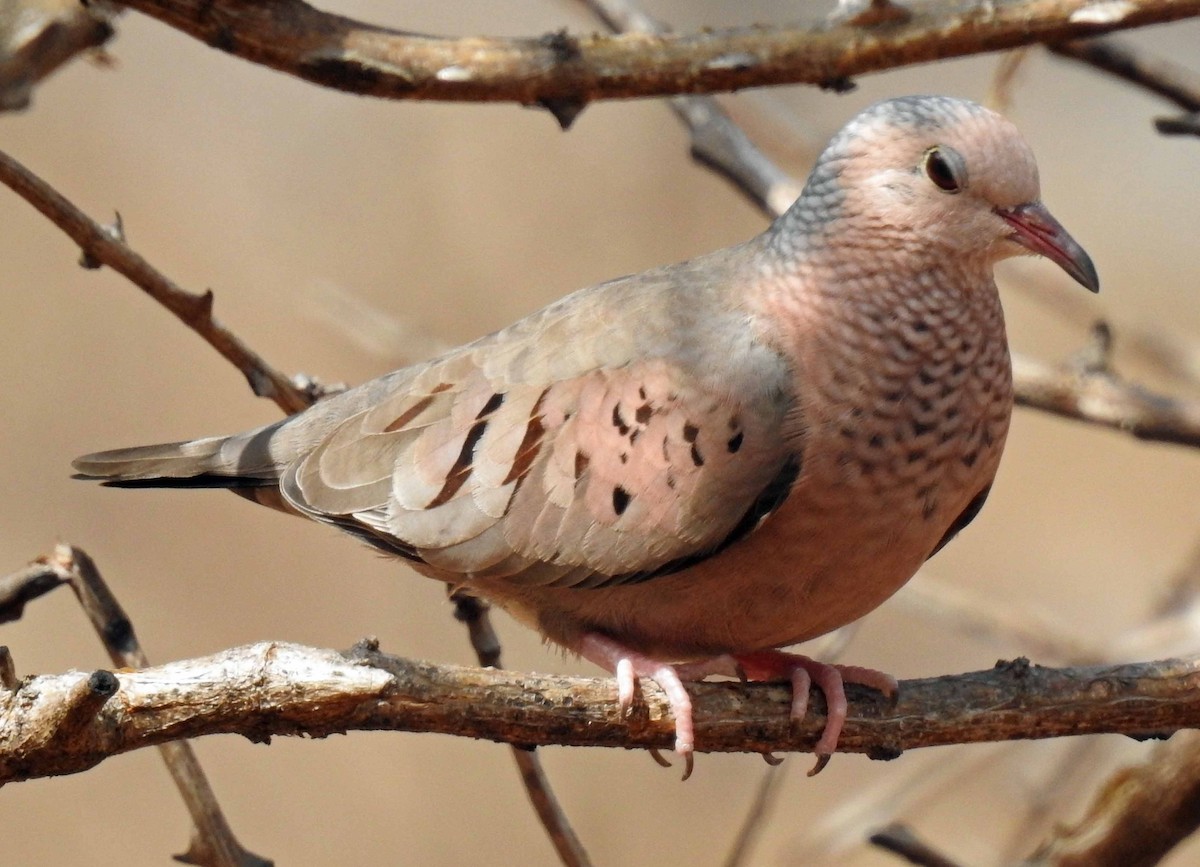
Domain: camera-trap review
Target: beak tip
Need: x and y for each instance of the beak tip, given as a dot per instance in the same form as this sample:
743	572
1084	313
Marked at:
1088	278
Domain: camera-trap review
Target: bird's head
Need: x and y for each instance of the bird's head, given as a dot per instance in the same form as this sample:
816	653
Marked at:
943	177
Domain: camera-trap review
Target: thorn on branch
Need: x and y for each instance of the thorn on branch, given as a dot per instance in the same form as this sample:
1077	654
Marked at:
8	671
565	111
204	304
115	231
841	84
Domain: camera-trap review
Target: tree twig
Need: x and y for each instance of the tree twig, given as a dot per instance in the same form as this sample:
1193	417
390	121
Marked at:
565	71
213	843
1138	816
108	247
1101	398
36	38
475	614
1171	81
272	689
717	143
900	840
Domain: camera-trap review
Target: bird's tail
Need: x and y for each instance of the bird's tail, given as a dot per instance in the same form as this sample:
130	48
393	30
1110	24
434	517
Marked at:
213	462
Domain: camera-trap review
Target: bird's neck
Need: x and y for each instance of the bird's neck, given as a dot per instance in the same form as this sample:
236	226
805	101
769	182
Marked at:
831	307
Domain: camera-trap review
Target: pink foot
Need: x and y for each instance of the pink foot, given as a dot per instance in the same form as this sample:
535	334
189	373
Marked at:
803	672
628	665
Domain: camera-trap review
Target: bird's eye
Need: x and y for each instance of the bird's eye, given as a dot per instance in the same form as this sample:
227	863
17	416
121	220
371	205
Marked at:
945	168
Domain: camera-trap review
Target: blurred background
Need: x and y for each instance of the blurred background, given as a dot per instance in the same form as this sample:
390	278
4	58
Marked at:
345	236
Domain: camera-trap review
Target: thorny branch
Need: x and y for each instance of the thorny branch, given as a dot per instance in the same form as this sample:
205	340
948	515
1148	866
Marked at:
60	724
106	246
564	72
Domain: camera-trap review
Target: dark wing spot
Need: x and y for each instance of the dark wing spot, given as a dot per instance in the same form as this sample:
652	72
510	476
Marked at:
920	326
581	464
690	432
769	499
493	403
620	500
965	517
530	446
624	457
876	441
735	443
697	458
403	420
619	421
642	392
970	458
915	455
920	428
643	413
461	471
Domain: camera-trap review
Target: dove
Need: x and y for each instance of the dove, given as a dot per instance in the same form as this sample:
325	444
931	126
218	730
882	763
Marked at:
677	473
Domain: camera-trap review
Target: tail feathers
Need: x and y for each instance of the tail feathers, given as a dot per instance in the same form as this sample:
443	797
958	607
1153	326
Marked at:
203	463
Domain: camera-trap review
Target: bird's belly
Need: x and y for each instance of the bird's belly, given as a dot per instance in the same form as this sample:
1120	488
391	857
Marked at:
812	567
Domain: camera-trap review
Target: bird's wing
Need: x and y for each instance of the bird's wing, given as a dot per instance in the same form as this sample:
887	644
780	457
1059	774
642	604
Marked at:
611	475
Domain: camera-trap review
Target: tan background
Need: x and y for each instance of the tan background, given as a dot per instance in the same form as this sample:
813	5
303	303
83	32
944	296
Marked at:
442	222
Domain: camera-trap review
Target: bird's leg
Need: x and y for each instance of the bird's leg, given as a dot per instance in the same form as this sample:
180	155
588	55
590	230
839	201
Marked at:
628	665
802	672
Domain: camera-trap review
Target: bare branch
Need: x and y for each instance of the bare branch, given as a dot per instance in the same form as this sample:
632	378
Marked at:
39	36
22	587
475	614
560	70
213	843
108	247
1138	816
1100	398
272	689
1172	82
900	840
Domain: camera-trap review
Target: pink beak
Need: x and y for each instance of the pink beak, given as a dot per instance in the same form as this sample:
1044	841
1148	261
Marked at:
1036	230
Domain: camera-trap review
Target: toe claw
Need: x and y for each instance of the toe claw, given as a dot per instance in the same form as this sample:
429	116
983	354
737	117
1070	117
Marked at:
772	759
659	758
689	763
822	761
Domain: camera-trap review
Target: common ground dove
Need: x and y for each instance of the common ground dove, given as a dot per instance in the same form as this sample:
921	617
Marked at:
677	472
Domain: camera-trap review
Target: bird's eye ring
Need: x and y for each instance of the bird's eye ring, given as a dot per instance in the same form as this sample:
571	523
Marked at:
944	167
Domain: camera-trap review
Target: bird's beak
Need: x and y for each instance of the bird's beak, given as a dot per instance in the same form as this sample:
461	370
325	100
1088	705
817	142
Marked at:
1036	230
